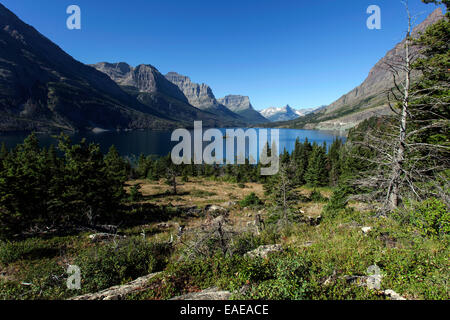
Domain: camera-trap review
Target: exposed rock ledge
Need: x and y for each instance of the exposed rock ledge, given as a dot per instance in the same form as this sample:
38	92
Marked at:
118	292
207	294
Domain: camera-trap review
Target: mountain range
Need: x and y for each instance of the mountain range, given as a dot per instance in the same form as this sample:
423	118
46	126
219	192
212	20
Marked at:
285	113
42	88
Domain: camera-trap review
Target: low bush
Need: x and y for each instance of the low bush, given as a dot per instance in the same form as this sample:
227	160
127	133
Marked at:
337	203
245	243
33	249
431	217
107	265
316	196
250	200
135	193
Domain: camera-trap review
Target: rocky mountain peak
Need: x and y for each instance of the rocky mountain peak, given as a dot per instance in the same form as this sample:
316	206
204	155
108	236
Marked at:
144	77
199	95
242	106
279	114
236	102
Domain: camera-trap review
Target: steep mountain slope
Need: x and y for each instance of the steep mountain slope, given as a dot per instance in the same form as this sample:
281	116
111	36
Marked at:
152	89
369	98
202	97
242	106
42	88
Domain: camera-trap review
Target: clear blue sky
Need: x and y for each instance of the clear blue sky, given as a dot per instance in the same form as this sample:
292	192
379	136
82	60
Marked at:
303	53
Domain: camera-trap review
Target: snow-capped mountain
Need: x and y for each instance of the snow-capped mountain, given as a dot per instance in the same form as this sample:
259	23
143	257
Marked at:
304	112
284	113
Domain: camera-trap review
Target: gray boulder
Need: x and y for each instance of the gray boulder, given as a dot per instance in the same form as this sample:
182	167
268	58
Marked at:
264	251
207	294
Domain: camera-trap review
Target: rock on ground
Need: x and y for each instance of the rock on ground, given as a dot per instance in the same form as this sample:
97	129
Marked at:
366	230
393	295
264	251
95	237
118	292
215	211
207	294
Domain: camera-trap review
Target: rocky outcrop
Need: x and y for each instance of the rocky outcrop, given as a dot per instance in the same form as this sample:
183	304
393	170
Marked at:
214	211
393	295
265	251
199	95
152	89
145	78
202	97
119	292
207	294
242	106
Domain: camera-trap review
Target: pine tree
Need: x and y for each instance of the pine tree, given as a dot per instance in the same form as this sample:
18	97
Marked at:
316	174
334	161
300	157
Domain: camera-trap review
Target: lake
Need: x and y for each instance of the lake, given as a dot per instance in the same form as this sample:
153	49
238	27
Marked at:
151	142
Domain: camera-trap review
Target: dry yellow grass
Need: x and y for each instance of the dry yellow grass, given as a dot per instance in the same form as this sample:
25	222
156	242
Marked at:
196	192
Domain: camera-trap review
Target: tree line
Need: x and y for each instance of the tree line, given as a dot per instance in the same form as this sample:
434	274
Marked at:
76	184
59	187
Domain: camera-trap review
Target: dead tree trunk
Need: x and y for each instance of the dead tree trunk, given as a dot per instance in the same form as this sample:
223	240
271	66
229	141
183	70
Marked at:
393	192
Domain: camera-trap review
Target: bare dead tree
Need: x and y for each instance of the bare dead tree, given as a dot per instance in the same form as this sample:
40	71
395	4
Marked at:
172	179
284	187
399	162
204	241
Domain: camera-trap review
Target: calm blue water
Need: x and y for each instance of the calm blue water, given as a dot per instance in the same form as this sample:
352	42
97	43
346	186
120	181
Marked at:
151	142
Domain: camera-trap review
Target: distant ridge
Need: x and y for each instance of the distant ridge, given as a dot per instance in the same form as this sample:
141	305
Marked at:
366	100
202	97
42	88
163	97
242	106
285	113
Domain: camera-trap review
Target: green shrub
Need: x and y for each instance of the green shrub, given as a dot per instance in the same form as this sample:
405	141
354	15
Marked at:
45	279
107	265
250	200
337	203
316	196
290	280
32	249
245	243
202	193
432	218
135	193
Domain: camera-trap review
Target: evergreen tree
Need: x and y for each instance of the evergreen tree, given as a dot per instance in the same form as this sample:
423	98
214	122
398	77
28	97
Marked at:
300	157
316	174
334	161
116	171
